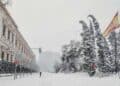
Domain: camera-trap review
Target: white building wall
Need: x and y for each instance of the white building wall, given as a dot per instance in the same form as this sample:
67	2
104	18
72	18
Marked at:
9	46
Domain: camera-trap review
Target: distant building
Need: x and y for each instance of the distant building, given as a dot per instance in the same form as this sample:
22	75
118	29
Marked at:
12	44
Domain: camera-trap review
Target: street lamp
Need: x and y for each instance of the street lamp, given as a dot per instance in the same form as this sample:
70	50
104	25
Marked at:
40	50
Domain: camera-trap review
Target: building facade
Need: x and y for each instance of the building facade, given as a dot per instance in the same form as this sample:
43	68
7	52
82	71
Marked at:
13	47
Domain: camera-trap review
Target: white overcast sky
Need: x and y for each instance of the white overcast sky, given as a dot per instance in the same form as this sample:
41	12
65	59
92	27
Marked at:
52	23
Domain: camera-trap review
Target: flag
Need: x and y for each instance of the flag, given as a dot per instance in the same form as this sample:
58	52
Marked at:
115	23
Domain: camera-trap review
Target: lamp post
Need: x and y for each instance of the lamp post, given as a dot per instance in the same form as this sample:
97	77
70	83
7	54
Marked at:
39	56
39	50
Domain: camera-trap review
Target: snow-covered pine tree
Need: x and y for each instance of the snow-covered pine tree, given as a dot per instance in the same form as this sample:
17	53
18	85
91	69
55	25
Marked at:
118	52
65	60
69	57
73	55
105	62
113	42
92	41
88	48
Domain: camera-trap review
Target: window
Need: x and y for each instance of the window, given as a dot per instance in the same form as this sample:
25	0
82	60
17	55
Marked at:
8	35
12	38
18	45
11	58
22	49
16	42
7	57
2	56
4	30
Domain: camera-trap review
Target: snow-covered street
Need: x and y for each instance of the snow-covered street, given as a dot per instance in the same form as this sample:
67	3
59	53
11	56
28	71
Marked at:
49	79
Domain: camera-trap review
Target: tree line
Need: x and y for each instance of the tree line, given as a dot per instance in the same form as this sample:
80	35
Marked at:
93	53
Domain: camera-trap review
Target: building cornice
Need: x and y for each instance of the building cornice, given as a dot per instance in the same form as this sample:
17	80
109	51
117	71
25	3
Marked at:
7	13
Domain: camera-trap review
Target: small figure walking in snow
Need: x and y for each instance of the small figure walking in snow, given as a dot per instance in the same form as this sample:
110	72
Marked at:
40	74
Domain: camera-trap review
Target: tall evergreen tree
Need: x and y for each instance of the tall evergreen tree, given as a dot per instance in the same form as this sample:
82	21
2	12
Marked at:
113	42
105	62
89	48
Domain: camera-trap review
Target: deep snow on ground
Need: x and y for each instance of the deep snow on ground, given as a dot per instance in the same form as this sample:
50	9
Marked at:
51	79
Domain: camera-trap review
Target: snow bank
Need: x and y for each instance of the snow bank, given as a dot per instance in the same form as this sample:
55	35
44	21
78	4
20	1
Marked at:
60	79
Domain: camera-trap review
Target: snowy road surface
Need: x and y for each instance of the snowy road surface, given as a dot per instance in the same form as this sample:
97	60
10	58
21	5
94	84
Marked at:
49	79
